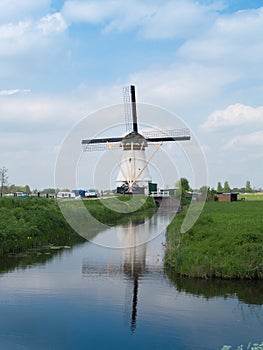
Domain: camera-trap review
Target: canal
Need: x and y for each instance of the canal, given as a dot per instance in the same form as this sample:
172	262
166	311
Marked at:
97	297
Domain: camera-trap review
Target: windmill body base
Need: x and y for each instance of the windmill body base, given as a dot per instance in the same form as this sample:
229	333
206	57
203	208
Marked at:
134	173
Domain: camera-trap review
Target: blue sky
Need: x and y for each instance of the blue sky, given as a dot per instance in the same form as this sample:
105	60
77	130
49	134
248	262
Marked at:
62	60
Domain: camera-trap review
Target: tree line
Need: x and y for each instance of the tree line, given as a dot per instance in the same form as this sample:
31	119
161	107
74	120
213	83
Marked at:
226	188
6	188
182	186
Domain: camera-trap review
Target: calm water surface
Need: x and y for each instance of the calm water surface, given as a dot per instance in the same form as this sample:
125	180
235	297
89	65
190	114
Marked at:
93	297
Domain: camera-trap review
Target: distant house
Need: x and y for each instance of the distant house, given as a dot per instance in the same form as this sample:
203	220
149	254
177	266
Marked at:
227	196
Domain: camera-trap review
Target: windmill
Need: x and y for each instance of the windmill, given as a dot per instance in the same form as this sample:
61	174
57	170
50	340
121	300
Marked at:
134	176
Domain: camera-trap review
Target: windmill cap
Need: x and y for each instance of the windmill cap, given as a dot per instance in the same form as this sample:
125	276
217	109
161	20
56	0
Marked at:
134	138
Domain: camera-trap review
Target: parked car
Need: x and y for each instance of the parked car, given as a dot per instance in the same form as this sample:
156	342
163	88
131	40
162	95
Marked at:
92	193
21	194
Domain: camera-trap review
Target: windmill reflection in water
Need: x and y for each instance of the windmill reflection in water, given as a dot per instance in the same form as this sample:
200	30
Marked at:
132	267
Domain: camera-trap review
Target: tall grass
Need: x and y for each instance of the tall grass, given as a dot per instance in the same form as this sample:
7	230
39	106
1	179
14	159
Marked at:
225	242
31	222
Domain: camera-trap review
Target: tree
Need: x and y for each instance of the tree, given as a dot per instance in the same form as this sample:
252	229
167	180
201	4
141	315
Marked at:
182	187
248	187
208	193
226	187
3	178
27	189
219	187
184	184
204	189
50	190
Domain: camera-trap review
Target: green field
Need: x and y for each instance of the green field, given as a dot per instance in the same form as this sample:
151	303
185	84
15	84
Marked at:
225	242
251	196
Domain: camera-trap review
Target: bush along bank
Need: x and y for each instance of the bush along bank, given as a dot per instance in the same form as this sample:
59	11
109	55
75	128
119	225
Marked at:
27	223
225	242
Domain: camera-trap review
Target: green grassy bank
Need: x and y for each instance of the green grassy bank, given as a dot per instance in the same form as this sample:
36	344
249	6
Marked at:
27	223
225	242
32	222
114	210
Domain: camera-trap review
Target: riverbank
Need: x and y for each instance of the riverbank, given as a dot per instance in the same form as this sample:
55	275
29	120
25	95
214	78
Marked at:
225	242
27	223
30	223
114	210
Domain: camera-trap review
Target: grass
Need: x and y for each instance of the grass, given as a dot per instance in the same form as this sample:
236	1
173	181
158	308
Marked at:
225	242
32	222
117	209
27	223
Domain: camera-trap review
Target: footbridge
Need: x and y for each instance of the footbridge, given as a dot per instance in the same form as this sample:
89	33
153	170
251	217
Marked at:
164	200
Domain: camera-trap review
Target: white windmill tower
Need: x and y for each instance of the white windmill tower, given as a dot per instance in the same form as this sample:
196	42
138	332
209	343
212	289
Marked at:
133	169
134	176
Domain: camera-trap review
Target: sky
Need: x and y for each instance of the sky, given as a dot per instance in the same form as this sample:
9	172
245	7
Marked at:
62	62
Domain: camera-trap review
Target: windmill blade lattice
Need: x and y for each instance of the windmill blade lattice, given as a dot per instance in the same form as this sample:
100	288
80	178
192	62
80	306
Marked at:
167	135
127	108
101	144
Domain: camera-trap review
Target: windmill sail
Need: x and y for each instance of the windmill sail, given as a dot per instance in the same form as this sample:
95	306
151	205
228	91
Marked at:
167	135
127	108
130	111
134	111
101	144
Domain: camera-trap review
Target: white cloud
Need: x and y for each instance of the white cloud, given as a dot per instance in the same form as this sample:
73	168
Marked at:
182	86
14	31
233	115
233	38
112	15
13	10
13	92
179	19
25	36
29	113
248	140
167	19
90	12
52	23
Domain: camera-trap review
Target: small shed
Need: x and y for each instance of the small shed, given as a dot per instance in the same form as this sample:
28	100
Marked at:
227	196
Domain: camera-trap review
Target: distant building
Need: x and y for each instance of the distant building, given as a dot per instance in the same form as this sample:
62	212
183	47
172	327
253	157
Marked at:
227	196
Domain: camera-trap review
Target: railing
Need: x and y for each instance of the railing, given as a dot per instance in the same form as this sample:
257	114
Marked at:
160	194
